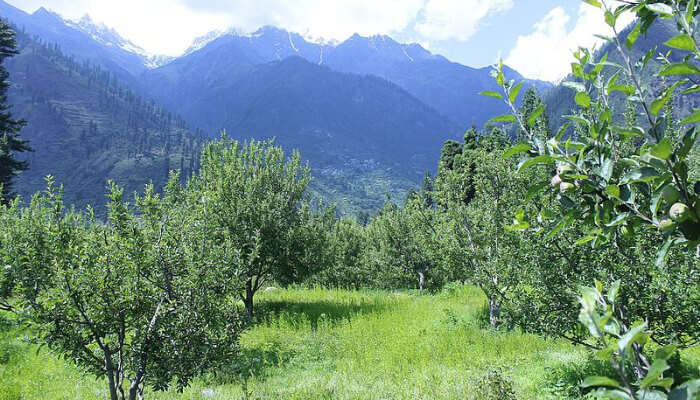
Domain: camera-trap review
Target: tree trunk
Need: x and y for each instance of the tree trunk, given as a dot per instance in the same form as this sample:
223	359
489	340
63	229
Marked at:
248	300
135	390
421	280
110	378
494	309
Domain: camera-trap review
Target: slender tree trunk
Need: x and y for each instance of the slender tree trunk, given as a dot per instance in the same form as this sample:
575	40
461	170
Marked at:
421	280
135	390
248	300
494	309
110	378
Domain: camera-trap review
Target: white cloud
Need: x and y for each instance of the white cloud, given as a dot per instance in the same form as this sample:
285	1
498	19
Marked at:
159	26
169	26
457	19
547	52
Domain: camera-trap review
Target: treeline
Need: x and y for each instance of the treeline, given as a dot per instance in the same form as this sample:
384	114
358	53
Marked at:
86	126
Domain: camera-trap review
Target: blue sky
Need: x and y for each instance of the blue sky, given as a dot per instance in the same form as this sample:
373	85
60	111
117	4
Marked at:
536	37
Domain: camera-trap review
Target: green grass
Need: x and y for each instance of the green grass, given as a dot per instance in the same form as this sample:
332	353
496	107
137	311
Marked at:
333	344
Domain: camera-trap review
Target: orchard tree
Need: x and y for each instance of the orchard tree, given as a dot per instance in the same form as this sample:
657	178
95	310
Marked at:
10	142
483	246
137	300
253	197
407	239
28	235
610	192
348	267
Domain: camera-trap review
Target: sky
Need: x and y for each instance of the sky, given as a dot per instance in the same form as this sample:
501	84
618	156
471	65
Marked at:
536	37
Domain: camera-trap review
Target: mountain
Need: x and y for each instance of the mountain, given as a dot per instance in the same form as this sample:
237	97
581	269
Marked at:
353	129
448	87
85	41
85	128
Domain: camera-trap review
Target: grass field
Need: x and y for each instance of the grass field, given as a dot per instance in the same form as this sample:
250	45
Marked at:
332	344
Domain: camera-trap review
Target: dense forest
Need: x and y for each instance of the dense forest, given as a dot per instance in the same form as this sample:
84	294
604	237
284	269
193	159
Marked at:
566	245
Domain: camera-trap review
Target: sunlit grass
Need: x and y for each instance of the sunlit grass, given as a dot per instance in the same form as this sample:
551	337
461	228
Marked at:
332	344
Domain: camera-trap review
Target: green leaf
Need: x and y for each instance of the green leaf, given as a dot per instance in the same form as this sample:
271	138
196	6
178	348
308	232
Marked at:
597	381
690	11
661	8
681	42
616	394
658	367
652	395
610	19
517	149
613	191
584	240
687	142
663	98
626	89
644	174
663	251
529	162
629	133
682	68
504	118
491	94
612	292
664	353
594	3
619	220
656	201
515	91
583	99
663	149
577	86
693	118
535	114
632	336
687	391
633	36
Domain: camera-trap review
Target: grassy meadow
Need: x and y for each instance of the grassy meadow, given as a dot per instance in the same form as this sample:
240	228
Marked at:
335	344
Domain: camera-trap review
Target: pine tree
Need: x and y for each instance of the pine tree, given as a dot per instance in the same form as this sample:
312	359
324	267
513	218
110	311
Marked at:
10	143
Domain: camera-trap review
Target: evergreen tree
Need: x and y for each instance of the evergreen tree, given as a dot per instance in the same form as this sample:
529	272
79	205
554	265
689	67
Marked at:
531	104
10	143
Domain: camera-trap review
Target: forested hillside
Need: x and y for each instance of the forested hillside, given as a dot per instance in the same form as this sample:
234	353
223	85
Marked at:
86	128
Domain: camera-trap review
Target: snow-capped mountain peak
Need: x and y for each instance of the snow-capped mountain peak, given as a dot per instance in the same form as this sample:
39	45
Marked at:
109	37
202	41
106	35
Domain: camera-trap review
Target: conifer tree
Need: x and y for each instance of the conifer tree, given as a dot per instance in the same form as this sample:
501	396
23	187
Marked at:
10	143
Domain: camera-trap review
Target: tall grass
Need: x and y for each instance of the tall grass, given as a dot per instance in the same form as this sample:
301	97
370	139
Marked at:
334	344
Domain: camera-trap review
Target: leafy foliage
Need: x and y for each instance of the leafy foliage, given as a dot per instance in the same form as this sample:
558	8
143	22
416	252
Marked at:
252	201
135	299
613	187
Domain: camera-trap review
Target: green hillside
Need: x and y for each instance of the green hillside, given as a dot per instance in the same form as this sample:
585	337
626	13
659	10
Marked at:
85	128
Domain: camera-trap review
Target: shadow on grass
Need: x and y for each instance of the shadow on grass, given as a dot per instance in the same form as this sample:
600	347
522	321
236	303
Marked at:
313	311
256	362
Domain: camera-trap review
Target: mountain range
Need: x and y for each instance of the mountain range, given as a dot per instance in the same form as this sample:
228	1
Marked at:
369	114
